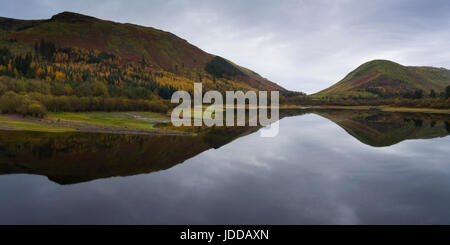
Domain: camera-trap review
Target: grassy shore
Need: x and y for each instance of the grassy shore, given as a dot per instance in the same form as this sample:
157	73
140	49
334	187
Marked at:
381	108
11	123
130	120
103	122
144	122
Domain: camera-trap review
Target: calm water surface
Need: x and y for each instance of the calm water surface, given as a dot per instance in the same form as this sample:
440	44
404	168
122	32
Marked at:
316	171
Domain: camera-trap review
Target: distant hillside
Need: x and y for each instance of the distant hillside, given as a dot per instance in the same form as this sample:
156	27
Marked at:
382	78
85	44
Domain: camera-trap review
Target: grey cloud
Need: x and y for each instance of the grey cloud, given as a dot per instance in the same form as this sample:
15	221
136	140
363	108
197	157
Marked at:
302	45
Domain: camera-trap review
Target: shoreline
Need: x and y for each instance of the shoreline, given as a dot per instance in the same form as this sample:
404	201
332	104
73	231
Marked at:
49	125
374	108
140	123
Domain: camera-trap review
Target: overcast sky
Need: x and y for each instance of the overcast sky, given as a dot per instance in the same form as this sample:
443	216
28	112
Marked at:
302	45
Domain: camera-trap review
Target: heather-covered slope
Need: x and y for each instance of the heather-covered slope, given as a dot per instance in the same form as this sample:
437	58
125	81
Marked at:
382	78
179	62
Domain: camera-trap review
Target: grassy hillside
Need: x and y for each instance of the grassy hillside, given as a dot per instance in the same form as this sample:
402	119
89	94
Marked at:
382	78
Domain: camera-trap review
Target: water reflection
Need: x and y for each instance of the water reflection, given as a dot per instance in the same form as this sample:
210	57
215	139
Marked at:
68	158
313	172
387	128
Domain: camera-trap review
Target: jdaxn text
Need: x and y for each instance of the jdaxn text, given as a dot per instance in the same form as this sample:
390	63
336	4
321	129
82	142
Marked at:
236	101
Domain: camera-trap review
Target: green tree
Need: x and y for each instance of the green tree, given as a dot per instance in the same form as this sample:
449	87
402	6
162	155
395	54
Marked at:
31	108
432	94
10	101
47	49
3	88
22	64
99	89
5	56
418	94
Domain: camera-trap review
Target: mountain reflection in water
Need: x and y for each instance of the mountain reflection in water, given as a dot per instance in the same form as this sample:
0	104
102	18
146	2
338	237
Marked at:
68	158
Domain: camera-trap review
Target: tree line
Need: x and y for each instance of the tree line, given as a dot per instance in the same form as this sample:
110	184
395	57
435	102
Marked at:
74	66
73	79
37	105
419	94
438	103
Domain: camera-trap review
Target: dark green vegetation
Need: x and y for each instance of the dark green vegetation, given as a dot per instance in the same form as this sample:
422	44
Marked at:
38	104
219	67
436	103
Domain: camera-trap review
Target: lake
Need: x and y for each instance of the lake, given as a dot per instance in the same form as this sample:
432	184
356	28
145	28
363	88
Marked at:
324	167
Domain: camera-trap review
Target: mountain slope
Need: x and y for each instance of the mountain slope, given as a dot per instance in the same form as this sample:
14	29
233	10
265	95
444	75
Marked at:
159	50
387	79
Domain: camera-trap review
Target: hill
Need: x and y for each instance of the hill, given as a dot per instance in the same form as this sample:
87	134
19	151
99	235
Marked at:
78	55
383	78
